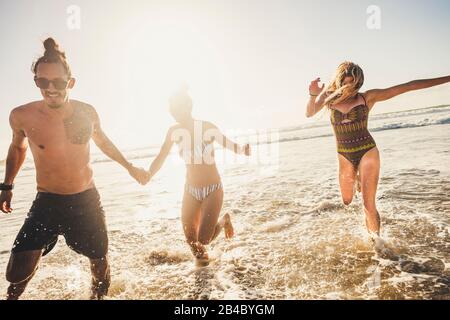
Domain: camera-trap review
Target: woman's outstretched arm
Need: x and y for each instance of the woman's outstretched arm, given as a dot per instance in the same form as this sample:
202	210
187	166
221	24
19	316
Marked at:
162	156
377	95
215	133
316	100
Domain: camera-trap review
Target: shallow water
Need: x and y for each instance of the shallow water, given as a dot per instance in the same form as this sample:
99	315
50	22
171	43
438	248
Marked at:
294	239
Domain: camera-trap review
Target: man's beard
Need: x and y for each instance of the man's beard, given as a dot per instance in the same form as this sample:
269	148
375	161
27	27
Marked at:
56	104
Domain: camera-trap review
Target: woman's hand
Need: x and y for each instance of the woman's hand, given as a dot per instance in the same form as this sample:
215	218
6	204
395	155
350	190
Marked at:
316	99
314	88
140	175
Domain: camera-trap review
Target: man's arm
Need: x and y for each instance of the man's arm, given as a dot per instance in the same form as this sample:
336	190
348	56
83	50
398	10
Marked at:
110	150
14	161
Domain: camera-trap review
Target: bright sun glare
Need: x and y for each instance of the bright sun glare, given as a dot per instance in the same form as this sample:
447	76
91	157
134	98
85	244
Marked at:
160	55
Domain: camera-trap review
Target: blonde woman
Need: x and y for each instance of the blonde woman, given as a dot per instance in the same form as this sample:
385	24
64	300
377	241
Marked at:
357	150
203	195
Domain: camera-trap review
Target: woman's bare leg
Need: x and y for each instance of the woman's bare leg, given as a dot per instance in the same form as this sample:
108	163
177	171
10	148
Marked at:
370	172
190	217
210	225
347	176
358	182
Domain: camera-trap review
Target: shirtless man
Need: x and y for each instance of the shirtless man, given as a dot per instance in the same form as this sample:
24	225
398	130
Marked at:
58	131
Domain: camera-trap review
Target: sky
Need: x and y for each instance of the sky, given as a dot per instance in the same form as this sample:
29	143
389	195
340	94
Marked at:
248	63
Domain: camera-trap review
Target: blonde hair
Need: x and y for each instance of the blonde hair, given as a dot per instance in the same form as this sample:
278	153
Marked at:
337	91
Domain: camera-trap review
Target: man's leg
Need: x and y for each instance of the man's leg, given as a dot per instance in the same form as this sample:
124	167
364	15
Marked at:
101	277
86	233
21	268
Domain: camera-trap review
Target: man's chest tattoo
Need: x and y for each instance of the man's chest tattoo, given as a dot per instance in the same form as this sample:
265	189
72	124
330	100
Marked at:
78	127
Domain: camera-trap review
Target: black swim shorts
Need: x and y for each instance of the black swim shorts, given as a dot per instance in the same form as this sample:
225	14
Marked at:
79	218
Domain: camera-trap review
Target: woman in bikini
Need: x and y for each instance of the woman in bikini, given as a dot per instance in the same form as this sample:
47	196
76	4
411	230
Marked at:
359	159
203	195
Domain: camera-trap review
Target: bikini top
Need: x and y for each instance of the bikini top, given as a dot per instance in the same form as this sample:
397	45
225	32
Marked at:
197	153
353	121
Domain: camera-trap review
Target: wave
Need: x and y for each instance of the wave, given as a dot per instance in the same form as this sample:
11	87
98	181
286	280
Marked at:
420	123
324	206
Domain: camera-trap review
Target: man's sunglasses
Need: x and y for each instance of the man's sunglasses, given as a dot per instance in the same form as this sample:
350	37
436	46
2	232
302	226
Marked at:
58	83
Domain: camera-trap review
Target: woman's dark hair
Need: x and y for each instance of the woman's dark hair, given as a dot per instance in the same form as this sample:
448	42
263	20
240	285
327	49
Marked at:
52	54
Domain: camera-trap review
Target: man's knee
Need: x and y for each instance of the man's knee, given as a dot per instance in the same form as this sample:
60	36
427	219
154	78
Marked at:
17	276
22	266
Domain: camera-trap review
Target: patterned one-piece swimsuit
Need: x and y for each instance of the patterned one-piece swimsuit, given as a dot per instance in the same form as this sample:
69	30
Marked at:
353	139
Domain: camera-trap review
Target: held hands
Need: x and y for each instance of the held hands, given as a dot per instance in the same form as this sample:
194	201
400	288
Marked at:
314	88
139	174
246	150
5	201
